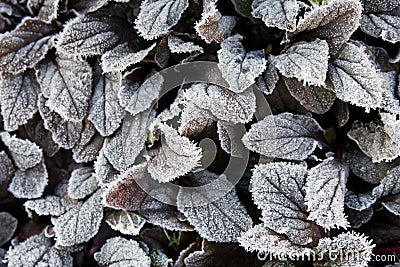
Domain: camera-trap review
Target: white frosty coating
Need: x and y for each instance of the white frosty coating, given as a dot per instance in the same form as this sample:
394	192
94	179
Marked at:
380	5
67	85
390	102
381	25
348	243
145	95
220	221
393	205
47	9
126	91
122	56
224	130
177	45
49	205
267	81
176	156
277	13
121	252
64	133
213	27
104	170
37	251
390	185
8	225
360	201
285	136
334	22
156	17
277	189
263	240
30	183
194	120
105	112
82	183
127	223
89	35
238	67
391	125
24	153
222	103
80	223
87	6
355	78
18	99
6	168
305	61
25	46
325	190
89	151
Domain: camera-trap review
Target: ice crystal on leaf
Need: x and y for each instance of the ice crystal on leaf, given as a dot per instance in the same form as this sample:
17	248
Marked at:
82	183
390	186
128	223
177	45
49	205
8	225
46	9
359	202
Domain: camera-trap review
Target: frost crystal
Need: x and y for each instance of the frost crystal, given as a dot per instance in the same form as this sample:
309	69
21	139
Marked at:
238	67
8	225
177	45
82	183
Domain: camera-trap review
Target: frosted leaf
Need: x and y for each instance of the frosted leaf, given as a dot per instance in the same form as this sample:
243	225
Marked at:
127	223
213	27
24	153
122	56
393	205
305	61
176	156
8	225
37	251
46	9
277	13
325	191
359	202
285	136
343	249
177	45
358	218
30	183
238	67
104	170
160	259
391	125
145	95
317	99
89	151
355	78
222	103
18	99
277	189
91	35
267	81
25	46
224	131
379	5
49	205
219	221
334	22
121	252
390	185
65	133
87	6
385	25
374	141
6	170
194	120
66	82
82	183
390	102
105	112
80	223
123	148
156	17
263	240
126	91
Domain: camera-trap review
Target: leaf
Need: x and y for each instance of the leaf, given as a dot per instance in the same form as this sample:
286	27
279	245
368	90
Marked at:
223	103
393	205
127	223
6	172
30	183
317	99
157	17
277	189
121	252
92	34
238	67
379	5
305	61
104	170
178	46
88	6
390	185
219	221
359	202
8	225
24	153
49	205
80	223
325	191
89	151
25	46
213	27
358	218
277	13
390	102
285	136
18	99
267	81
194	120
334	22
46	9
105	111
82	183
175	157
66	82
37	251
65	133
122	56
355	78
